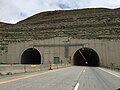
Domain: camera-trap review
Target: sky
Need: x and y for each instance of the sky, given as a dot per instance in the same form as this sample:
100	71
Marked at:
12	11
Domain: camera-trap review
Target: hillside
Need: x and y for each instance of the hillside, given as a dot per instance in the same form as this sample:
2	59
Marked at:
94	23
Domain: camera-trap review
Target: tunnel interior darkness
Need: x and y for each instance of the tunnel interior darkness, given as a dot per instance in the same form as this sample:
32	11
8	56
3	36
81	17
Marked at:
31	56
86	57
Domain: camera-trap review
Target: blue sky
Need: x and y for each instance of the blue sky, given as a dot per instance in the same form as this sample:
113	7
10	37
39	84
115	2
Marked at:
12	11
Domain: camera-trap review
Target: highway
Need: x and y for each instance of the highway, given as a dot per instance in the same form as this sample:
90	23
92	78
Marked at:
71	78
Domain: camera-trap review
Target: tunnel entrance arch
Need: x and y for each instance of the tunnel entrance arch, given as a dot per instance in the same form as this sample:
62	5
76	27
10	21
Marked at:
31	56
86	57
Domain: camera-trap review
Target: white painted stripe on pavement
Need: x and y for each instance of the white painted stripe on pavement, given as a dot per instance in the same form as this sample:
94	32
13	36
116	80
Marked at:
109	72
76	87
83	70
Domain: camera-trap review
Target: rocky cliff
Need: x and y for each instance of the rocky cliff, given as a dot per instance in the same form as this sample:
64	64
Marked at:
96	23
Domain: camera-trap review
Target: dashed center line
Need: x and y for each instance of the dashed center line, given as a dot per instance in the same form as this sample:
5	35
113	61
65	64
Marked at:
84	70
76	87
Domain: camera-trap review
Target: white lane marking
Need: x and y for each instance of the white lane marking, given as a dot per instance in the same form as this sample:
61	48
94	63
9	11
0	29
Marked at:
84	70
76	87
109	72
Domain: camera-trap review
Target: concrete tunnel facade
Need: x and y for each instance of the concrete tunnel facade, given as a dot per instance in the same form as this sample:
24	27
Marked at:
104	52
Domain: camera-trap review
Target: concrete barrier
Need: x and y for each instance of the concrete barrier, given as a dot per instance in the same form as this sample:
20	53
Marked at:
12	69
31	68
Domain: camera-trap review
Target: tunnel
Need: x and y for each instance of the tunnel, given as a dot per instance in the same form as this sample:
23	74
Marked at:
31	56
86	57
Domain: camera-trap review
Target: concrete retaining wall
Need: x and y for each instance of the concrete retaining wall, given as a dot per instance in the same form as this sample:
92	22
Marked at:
107	50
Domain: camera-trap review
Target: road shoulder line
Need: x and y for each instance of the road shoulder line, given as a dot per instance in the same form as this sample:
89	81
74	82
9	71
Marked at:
109	72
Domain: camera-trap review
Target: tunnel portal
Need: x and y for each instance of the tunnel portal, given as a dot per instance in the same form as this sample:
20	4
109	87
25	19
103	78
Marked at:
31	56
86	57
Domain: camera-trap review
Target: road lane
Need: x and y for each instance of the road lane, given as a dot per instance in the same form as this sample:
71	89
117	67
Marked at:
59	80
95	79
72	78
111	72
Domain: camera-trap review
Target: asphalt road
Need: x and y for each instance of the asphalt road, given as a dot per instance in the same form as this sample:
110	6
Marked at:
72	78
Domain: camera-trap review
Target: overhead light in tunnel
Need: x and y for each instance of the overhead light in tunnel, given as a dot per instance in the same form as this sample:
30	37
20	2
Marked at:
86	62
82	55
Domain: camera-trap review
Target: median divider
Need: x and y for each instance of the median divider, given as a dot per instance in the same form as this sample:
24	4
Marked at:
11	69
31	68
18	68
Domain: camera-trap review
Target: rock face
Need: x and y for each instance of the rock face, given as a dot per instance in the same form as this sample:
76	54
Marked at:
85	24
